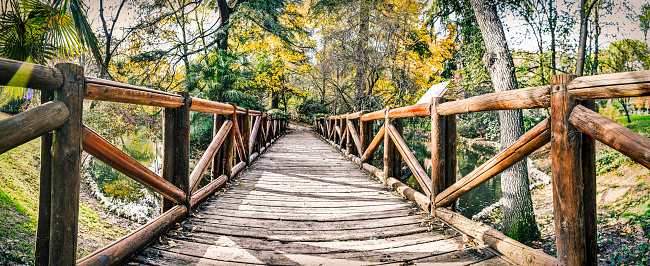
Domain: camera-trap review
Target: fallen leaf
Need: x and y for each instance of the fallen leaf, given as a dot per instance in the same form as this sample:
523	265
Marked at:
480	251
243	185
454	256
171	243
239	201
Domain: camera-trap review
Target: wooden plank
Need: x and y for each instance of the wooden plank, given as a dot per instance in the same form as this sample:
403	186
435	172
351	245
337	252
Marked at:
66	169
32	123
26	75
122	248
411	111
207	106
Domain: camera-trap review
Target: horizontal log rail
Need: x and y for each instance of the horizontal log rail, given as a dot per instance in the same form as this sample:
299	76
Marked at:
28	125
612	134
26	75
112	156
103	92
122	248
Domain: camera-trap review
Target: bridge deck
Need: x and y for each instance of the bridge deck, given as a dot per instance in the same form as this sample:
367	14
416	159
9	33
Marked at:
302	203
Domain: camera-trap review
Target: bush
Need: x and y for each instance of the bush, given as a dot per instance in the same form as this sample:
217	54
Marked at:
310	107
15	106
279	113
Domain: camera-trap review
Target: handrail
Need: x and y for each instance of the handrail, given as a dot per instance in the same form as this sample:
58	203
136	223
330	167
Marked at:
573	159
63	116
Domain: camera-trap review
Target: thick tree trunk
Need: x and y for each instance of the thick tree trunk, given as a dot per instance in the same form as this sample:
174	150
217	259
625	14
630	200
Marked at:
360	80
519	219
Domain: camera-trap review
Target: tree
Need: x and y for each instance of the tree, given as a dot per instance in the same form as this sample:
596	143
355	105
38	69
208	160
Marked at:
519	219
644	21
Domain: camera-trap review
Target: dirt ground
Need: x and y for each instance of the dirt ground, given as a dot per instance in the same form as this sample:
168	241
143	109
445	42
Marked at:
623	203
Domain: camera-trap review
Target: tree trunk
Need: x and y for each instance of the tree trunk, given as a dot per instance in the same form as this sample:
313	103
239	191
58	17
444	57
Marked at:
518	217
362	57
552	22
594	70
222	35
580	64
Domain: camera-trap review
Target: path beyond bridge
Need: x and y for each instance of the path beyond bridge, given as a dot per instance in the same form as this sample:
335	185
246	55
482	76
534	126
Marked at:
303	203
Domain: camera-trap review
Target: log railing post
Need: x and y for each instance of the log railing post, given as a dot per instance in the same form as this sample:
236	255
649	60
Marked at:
228	146
392	157
443	150
572	223
588	159
65	171
216	161
349	148
365	135
42	249
176	148
246	135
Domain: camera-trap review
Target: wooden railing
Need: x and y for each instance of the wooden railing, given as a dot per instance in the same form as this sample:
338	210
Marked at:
58	121
571	128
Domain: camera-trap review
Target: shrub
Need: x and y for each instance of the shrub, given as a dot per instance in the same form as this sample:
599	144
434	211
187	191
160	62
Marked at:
311	106
279	113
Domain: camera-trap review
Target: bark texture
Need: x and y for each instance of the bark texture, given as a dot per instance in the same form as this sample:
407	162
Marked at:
518	217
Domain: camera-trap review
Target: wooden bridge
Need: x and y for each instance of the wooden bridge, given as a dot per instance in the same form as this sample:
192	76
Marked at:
301	202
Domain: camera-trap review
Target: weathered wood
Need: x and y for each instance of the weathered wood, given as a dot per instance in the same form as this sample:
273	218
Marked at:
42	246
365	132
567	176
205	192
305	216
379	114
202	166
122	95
122	248
207	106
112	156
115	84
66	169
26	75
588	158
228	147
532	140
612	134
355	137
246	136
526	98
218	157
392	158
32	123
253	142
239	141
176	150
410	159
438	153
605	80
411	111
370	150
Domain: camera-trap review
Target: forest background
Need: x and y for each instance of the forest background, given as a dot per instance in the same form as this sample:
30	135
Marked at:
308	59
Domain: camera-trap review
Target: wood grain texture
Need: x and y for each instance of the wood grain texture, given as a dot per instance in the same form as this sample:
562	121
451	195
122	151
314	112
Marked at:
122	248
615	79
276	215
42	245
26	75
568	205
123	95
410	159
370	150
112	156
526	98
32	123
66	169
202	166
379	114
207	106
176	148
532	140
355	136
419	110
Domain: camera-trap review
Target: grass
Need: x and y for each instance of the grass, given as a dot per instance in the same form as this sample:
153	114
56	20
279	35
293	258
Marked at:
19	190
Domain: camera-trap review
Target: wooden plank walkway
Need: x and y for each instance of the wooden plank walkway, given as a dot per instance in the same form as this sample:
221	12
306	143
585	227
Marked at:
302	203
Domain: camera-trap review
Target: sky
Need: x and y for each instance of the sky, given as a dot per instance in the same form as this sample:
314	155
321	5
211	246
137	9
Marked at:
617	25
